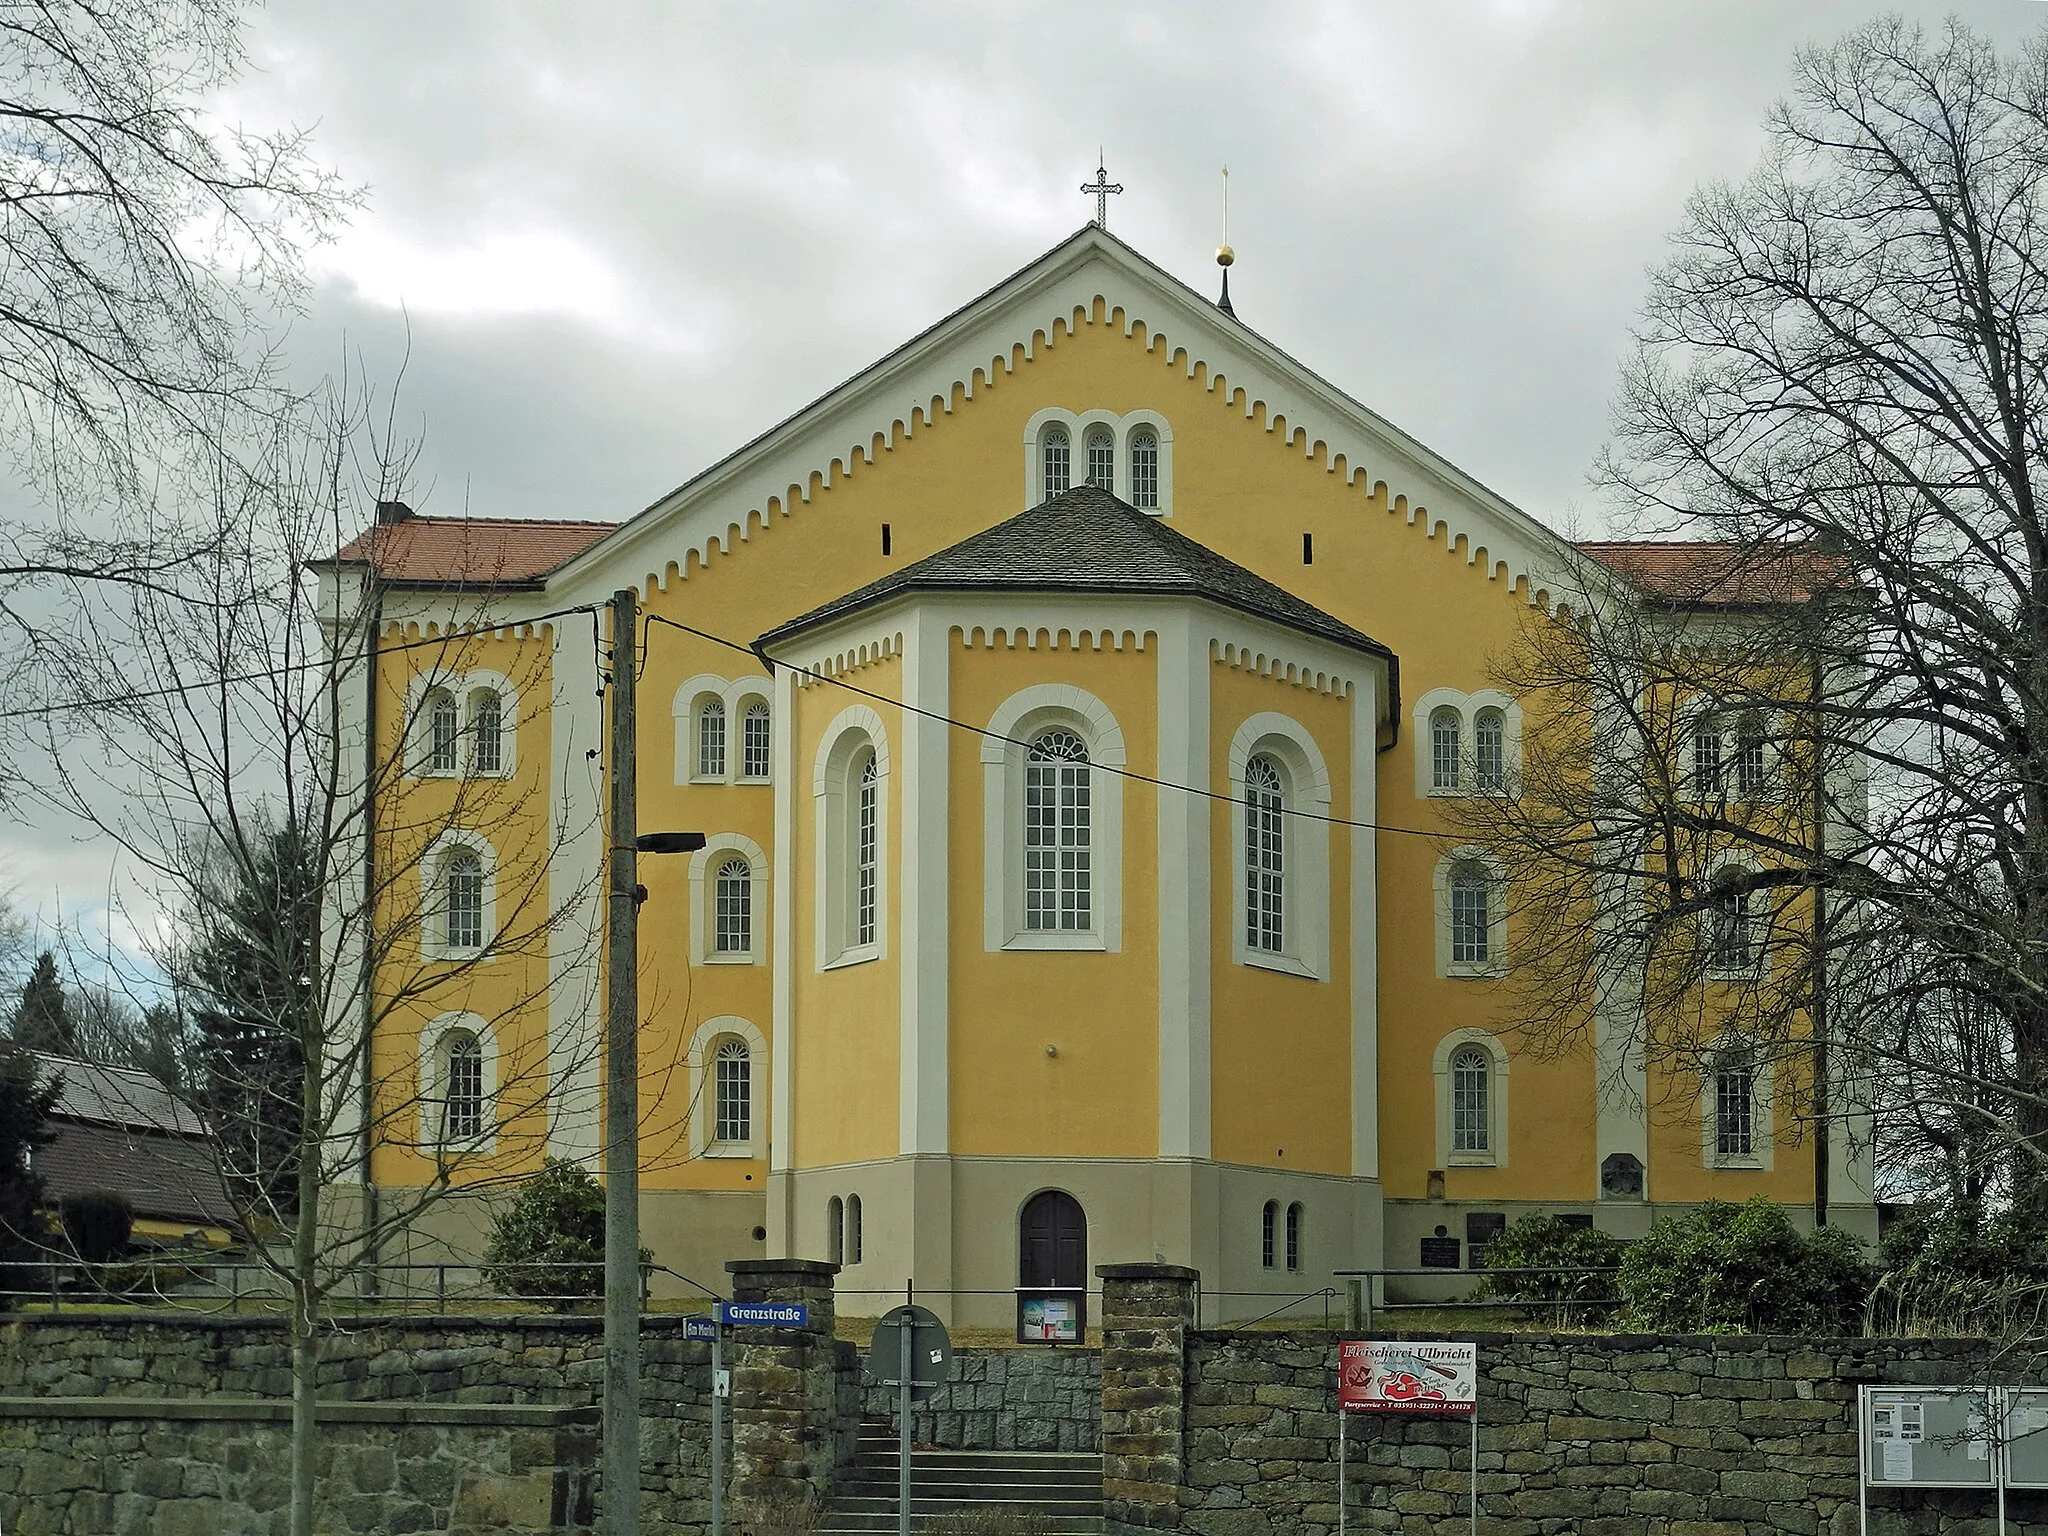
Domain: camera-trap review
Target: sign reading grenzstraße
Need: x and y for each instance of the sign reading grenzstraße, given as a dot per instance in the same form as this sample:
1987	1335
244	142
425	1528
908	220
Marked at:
1374	1377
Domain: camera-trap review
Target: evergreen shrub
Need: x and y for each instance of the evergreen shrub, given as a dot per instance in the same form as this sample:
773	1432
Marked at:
548	1242
1722	1268
1547	1242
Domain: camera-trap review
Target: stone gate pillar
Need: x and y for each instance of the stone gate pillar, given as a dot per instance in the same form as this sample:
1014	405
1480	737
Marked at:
1147	1310
784	1385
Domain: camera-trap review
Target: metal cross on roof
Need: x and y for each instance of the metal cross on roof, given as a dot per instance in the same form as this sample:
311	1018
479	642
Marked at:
1101	188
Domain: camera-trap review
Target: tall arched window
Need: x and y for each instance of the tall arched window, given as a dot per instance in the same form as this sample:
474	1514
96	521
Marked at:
486	732
1264	854
444	731
1269	1223
1735	1109
1731	934
733	1085
1101	459
1749	757
1145	470
1446	749
462	1095
1471	915
835	1230
754	738
1057	891
1294	1215
462	894
711	739
1489	749
1056	458
1471	1101
853	1232
1706	758
733	908
866	809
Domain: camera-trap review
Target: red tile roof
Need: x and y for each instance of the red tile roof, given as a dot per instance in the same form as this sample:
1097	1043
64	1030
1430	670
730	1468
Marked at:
1723	573
470	552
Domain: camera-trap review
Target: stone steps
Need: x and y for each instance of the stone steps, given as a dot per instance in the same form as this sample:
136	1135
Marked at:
1064	1491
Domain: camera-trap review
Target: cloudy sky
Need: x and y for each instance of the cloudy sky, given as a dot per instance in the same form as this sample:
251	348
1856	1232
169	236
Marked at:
610	242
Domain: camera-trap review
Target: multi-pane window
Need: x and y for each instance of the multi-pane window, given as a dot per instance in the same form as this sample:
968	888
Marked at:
1735	1111
1445	749
1471	1093
733	1086
754	737
1269	1221
444	731
711	739
1471	916
1264	851
866	809
463	900
733	908
1731	940
1145	470
1749	759
1057	890
1706	758
1294	1236
1489	749
1056	454
1102	459
462	1098
486	732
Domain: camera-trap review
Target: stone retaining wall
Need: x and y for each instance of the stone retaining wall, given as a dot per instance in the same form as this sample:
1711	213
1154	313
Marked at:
1047	1398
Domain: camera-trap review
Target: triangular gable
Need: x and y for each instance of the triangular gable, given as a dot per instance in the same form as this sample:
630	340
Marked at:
890	400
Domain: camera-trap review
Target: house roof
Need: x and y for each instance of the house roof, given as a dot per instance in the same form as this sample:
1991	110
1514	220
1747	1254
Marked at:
170	1178
119	1096
1086	540
1715	574
469	552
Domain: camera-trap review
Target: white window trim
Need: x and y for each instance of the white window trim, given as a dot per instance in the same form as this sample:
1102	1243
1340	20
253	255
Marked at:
1708	713
433	916
735	694
461	686
1077	424
1305	886
1762	1129
1496	913
745	692
1754	967
1496	1154
854	728
1019	718
1468	706
704	867
432	1070
700	1058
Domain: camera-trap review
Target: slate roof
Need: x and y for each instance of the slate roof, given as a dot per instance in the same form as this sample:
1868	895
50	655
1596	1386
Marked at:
116	1096
121	1129
1088	541
502	553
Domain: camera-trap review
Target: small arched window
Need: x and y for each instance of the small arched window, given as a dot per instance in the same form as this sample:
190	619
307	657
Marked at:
1102	459
1145	470
1269	1222
711	739
1294	1218
1706	758
866	810
1471	1101
444	732
1749	757
1735	1109
1264	856
462	1078
754	738
835	1230
1057	885
1489	749
853	1232
1731	930
733	1085
733	908
1055	451
1446	748
462	880
1471	915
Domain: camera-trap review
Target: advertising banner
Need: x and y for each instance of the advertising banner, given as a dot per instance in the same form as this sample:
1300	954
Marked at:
1377	1377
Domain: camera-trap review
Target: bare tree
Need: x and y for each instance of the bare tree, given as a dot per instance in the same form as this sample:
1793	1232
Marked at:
1838	395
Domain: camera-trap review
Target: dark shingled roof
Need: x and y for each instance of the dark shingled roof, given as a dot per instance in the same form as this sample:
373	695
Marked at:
1088	541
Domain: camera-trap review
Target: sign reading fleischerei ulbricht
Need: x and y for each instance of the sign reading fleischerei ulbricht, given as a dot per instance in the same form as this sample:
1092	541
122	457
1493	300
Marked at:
1375	1377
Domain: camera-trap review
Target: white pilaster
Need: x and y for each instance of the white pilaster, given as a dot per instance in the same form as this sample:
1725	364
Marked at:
575	718
922	1097
1184	948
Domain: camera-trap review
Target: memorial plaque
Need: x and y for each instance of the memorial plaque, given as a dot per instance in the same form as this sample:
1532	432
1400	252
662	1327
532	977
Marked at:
1441	1253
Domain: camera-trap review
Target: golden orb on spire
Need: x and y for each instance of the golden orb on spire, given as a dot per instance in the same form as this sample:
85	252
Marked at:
1225	255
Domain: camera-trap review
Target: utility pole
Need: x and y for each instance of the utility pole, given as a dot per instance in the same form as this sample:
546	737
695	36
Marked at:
621	1429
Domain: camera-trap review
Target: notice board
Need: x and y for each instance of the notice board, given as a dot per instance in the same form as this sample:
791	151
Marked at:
1929	1437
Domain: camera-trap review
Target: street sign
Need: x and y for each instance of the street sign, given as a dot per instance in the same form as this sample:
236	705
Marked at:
1407	1378
931	1352
699	1329
764	1314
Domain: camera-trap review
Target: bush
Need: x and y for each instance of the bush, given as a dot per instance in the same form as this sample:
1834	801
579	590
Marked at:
548	1244
1724	1268
1961	1270
1548	1242
97	1223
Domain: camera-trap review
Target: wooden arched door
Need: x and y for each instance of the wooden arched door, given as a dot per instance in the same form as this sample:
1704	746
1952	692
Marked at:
1052	1241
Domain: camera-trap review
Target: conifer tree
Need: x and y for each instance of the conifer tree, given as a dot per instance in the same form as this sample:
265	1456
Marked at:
26	1102
42	1019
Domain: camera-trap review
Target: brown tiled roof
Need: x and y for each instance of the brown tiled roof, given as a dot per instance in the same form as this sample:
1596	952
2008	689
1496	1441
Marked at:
1723	573
167	1178
469	551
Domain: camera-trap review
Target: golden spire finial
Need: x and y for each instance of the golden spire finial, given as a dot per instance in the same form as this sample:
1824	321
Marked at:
1224	254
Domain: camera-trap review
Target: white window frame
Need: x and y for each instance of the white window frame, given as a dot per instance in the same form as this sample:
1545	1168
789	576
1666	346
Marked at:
700	1057
1468	706
1751	967
1762	1132
704	867
1077	425
1722	722
734	694
1495	963
1495	1154
432	1067
433	913
1305	889
745	703
710	709
833	793
463	687
1019	720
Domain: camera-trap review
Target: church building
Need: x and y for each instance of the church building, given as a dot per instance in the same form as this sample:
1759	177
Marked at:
1075	704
